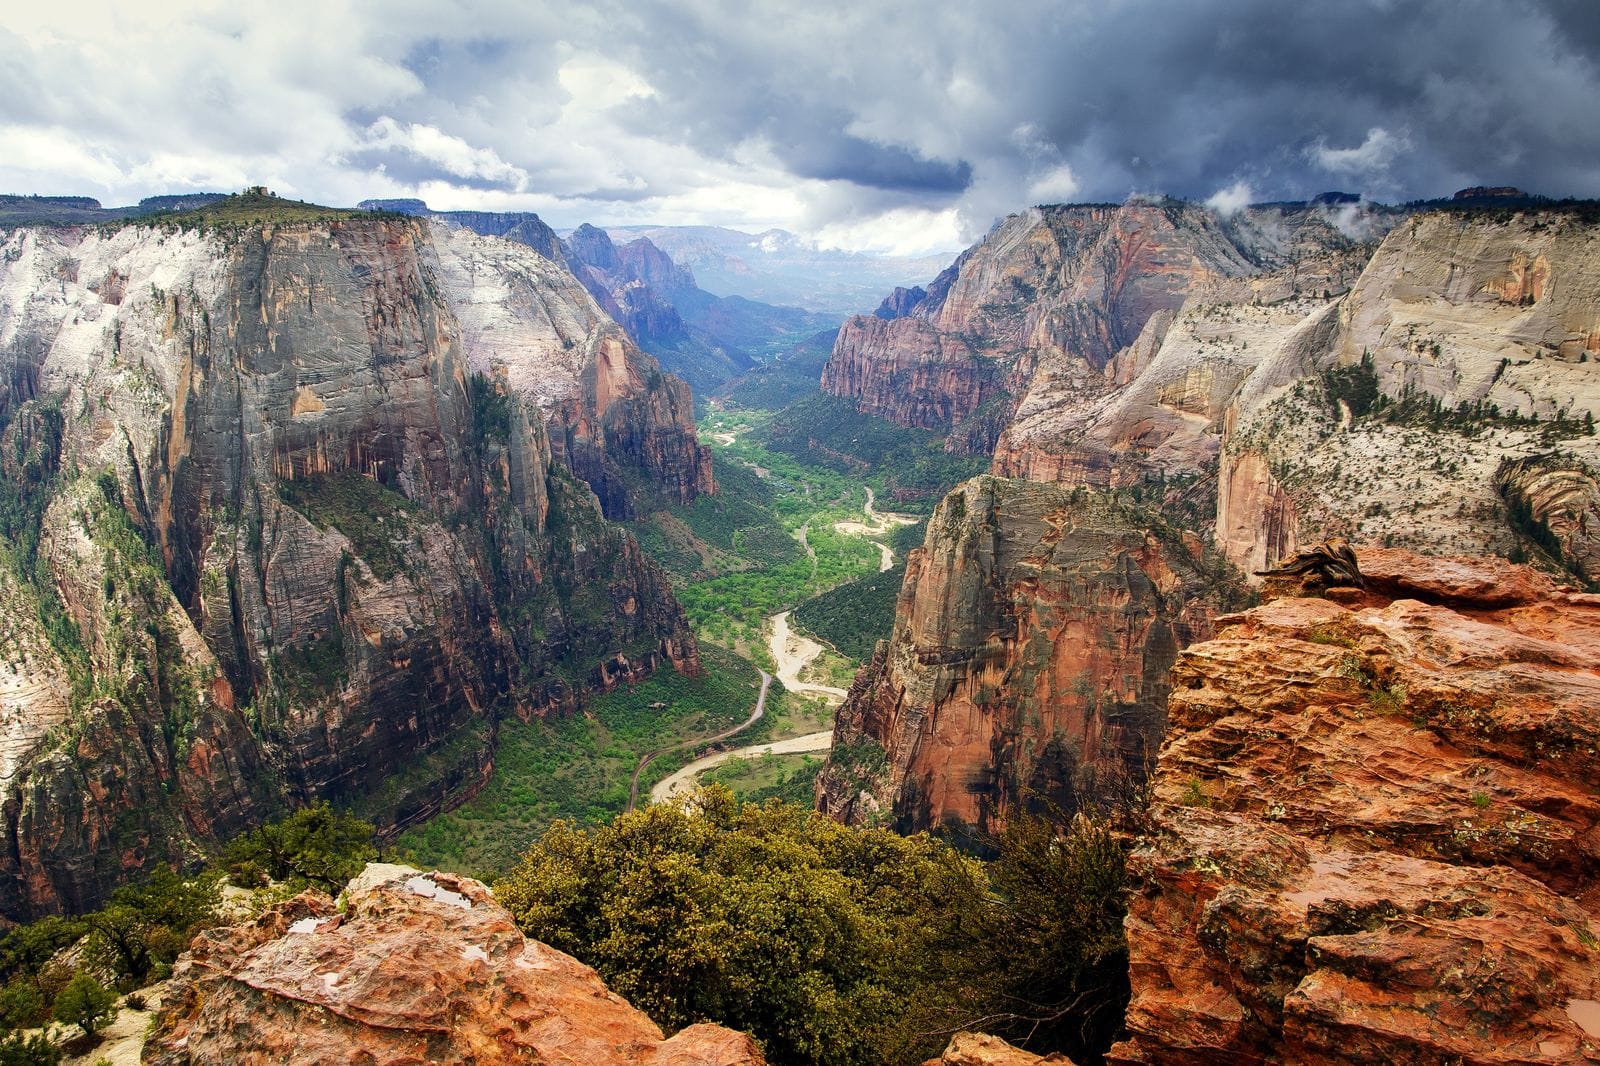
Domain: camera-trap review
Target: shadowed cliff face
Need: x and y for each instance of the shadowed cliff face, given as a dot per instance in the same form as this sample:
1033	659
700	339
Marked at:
1374	829
292	546
1027	665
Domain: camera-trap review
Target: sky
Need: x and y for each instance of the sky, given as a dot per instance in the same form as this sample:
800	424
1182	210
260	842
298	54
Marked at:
894	127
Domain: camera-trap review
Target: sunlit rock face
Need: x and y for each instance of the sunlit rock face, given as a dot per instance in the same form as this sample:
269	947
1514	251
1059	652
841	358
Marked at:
1374	828
412	968
280	527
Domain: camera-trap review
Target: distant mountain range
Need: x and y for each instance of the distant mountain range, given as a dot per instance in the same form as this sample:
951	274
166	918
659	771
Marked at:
705	338
781	268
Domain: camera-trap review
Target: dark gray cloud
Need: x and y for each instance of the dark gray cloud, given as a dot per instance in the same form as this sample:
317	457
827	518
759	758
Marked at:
888	122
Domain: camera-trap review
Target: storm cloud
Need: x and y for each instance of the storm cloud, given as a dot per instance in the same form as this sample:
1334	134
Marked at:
892	125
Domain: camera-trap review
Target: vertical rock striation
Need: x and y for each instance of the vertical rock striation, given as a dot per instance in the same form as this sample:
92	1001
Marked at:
1028	661
274	537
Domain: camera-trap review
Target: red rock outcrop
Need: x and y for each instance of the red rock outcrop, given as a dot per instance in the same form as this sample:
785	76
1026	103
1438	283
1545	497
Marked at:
416	968
981	1049
1028	661
1376	829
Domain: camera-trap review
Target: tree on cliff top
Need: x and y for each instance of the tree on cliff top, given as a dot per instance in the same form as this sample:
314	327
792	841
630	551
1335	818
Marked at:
832	944
85	1003
806	933
315	845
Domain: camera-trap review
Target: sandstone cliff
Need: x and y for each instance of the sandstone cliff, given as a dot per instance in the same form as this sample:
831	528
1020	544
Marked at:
1445	404
272	539
1028	661
1374	829
613	416
412	968
1035	312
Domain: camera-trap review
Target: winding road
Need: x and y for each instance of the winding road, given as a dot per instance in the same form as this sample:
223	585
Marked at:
755	716
792	653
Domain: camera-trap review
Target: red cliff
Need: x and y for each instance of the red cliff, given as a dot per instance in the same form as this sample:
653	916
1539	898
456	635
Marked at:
1376	829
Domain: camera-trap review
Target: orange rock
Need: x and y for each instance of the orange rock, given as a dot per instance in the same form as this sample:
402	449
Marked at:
980	1049
1376	829
420	968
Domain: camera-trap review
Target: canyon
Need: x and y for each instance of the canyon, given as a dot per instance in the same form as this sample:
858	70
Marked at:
1242	385
311	505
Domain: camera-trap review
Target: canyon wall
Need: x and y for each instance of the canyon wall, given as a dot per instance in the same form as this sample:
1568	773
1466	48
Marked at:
1046	311
1028	663
271	537
1446	404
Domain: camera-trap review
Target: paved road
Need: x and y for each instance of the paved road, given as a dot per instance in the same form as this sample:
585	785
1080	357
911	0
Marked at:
755	716
685	779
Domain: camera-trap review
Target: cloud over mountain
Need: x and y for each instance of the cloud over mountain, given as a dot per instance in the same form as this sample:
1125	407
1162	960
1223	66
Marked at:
891	123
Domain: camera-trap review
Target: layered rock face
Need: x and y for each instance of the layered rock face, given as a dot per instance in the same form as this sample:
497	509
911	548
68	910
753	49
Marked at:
413	968
1406	411
1037	311
1374	829
613	416
1028	662
272	540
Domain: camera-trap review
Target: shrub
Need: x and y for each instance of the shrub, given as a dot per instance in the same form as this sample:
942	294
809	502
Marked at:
316	845
85	1003
17	1049
770	918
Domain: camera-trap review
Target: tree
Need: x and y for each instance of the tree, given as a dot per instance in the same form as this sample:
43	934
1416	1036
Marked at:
316	845
1043	961
85	1003
149	923
32	1050
773	919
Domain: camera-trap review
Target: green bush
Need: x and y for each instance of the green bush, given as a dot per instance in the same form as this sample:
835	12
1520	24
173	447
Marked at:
85	1003
839	945
316	846
36	1049
808	934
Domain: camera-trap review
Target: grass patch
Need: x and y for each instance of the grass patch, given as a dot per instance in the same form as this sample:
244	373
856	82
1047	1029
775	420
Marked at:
578	768
909	465
790	778
378	521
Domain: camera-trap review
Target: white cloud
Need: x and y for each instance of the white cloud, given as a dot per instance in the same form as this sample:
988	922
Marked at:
1054	186
1371	156
1233	199
451	154
888	124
